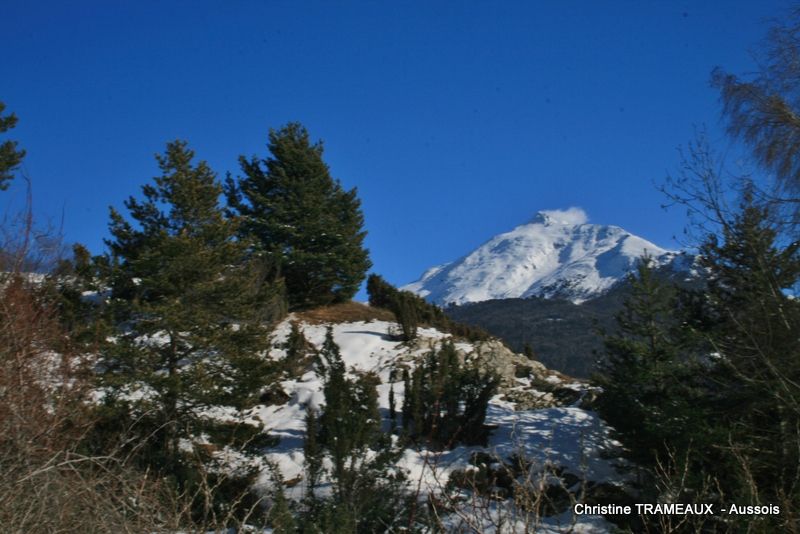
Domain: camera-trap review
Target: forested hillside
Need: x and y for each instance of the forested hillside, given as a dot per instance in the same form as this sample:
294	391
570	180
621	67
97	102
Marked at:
561	334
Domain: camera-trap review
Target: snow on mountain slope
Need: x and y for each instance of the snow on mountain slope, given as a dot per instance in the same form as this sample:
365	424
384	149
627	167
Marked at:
557	254
552	436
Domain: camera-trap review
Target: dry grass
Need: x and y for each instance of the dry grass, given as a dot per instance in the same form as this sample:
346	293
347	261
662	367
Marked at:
347	312
49	483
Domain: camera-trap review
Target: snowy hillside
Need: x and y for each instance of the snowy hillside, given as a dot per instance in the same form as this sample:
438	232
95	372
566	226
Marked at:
557	254
537	415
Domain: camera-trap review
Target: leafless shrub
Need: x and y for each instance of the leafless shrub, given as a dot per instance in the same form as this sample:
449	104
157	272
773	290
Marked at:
672	483
516	494
48	484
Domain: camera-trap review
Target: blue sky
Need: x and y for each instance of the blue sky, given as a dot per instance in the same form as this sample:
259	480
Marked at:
455	120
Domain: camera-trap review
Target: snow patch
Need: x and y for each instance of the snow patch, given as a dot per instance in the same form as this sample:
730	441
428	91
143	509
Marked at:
570	438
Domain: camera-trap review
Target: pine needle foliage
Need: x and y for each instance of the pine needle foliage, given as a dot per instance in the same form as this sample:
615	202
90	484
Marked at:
350	422
753	323
300	352
369	492
10	155
445	400
412	311
711	376
648	378
303	219
191	306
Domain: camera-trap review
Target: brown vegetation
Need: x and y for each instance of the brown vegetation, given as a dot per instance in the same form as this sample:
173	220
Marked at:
346	312
49	483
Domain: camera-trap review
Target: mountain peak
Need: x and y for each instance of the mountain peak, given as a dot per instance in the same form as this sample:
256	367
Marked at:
556	255
570	216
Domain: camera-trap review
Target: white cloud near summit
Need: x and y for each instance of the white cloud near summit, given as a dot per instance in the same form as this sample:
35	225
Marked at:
572	215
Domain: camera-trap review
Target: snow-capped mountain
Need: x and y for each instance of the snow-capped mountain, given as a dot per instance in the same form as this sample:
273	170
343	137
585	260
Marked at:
557	254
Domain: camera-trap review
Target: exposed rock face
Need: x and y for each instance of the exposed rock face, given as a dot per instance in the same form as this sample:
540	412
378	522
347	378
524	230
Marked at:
495	356
525	382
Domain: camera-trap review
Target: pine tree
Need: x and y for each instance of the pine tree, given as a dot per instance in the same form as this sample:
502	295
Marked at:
189	305
446	401
337	428
10	155
527	350
416	403
350	421
367	490
648	376
83	318
709	377
392	408
311	449
381	293
752	323
405	411
749	314
303	219
280	517
406	306
411	310
298	351
406	314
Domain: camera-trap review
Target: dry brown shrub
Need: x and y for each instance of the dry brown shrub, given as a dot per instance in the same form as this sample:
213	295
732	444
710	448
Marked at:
346	312
48	482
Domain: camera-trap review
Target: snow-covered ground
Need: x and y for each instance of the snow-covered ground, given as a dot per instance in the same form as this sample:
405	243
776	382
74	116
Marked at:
570	439
557	254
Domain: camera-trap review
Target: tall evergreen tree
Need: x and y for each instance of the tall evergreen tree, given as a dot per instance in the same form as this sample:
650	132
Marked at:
405	413
392	408
189	305
280	517
753	325
10	155
709	378
303	219
648	376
